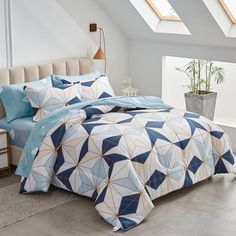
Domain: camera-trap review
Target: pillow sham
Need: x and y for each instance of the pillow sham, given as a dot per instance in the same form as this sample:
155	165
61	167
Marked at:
95	88
78	78
46	100
15	101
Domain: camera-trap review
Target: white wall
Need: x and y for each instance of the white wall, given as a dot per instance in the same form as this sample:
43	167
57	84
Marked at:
45	30
145	61
3	60
145	68
174	81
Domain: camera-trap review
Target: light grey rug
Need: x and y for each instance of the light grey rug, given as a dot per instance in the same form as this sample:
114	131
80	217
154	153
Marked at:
15	207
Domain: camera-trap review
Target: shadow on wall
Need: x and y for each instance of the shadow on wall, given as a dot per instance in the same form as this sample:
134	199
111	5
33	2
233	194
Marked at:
116	42
80	17
44	30
54	32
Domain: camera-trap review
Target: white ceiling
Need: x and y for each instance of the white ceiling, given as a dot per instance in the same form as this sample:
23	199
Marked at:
194	14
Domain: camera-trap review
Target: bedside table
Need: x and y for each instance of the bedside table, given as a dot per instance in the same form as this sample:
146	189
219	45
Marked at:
4	159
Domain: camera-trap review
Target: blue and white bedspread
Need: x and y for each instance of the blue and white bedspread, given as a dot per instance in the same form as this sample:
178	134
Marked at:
123	158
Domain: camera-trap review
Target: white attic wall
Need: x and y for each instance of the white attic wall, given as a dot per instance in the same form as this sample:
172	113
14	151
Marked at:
147	48
46	30
146	61
3	57
221	17
194	13
147	13
219	14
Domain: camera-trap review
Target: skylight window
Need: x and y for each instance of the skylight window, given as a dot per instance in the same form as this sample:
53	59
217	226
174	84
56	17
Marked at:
160	16
230	8
164	10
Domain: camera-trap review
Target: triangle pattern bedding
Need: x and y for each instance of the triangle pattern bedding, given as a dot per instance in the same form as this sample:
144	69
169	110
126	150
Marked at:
124	155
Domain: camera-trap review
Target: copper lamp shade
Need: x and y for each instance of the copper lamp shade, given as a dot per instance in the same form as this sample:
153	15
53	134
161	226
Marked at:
101	52
100	55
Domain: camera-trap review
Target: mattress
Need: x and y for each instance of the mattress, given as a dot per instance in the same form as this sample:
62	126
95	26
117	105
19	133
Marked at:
19	130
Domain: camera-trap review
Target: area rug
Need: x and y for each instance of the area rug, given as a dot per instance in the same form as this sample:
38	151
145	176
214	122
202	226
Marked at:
15	207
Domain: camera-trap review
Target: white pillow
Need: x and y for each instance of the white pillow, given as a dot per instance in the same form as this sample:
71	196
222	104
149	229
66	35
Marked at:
46	100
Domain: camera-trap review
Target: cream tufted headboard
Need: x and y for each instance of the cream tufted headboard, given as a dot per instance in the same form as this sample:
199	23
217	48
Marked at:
16	75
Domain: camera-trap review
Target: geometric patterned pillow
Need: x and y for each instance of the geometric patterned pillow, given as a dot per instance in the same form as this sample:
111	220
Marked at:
46	100
91	89
97	88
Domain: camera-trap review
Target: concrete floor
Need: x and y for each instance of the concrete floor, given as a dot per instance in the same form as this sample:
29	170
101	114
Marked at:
206	209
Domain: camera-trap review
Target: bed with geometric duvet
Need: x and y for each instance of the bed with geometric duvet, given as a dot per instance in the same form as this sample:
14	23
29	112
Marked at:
123	152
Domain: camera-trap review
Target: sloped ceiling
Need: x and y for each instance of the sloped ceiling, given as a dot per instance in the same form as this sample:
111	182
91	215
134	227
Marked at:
194	14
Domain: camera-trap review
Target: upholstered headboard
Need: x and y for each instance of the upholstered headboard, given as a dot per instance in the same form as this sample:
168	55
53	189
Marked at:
16	75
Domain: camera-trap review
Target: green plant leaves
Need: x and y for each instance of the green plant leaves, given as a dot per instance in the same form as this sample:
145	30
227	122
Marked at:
201	73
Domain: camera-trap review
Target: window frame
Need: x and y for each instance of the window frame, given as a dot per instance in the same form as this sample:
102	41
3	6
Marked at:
228	11
159	15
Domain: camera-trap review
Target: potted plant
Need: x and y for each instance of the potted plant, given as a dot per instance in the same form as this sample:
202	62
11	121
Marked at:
200	99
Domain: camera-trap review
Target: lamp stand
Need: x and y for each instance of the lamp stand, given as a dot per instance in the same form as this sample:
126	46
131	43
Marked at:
101	53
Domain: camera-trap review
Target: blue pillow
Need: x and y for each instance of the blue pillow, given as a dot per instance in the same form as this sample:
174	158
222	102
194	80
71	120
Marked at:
15	101
57	79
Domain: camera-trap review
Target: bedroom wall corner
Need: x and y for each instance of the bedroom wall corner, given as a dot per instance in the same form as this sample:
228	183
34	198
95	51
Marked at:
47	30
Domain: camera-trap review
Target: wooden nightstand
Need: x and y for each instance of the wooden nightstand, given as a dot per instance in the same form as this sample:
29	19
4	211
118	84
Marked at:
4	159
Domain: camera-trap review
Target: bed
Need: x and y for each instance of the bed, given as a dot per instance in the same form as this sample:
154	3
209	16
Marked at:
123	152
34	72
18	130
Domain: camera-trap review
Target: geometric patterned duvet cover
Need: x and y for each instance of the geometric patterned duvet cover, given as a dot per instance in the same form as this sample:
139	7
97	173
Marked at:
124	158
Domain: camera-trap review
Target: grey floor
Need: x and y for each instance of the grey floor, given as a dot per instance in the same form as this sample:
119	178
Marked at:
206	209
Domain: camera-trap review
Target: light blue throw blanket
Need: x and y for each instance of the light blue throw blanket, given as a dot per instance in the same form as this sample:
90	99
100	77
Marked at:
41	128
